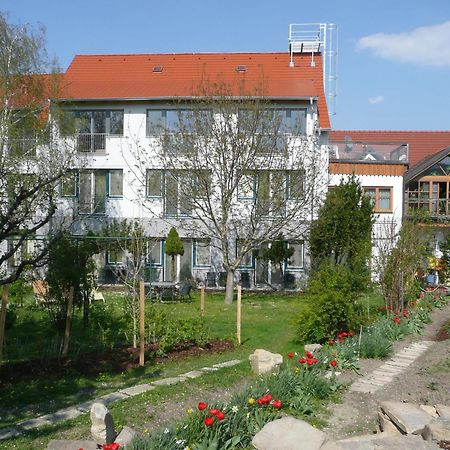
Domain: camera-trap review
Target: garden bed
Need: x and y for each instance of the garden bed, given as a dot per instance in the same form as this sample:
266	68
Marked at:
116	360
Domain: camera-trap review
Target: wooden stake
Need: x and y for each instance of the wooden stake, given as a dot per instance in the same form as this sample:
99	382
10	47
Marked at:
3	318
202	299
68	324
238	314
141	323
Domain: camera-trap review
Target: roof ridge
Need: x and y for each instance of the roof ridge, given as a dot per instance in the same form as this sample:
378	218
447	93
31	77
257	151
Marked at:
391	131
182	53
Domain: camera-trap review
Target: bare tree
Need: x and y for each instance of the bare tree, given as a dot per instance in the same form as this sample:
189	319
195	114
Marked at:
129	244
236	170
35	149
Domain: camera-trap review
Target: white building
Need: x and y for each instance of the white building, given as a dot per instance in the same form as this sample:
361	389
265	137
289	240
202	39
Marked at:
119	98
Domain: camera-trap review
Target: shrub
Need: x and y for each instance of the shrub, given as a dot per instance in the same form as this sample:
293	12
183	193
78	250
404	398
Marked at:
330	305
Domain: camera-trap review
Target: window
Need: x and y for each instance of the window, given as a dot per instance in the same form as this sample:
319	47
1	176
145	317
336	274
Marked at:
95	186
296	261
293	121
160	121
155	253
267	189
177	202
295	184
202	253
93	126
247	260
380	197
247	186
114	257
69	184
154	183
115	183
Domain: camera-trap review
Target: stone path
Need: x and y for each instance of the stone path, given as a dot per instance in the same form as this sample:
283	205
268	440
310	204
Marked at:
390	369
83	408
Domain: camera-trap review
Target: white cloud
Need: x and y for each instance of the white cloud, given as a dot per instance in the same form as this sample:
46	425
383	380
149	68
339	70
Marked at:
426	46
376	100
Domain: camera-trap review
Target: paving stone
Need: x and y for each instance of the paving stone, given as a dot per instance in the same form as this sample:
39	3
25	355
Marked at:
407	416
399	364
136	390
86	406
386	426
8	433
288	433
363	388
168	381
390	369
379	374
231	363
34	423
192	374
380	441
110	398
371	382
443	411
63	414
209	369
59	444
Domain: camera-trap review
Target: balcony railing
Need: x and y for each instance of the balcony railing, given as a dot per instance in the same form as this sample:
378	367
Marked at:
91	142
434	208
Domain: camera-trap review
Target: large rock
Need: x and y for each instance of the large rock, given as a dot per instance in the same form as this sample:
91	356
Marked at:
102	428
288	433
312	347
263	361
386	425
407	416
437	430
59	444
125	437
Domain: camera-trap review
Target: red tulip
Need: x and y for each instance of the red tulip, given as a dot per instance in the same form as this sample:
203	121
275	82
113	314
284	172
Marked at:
208	421
220	415
201	406
276	404
213	412
302	360
309	355
333	363
291	355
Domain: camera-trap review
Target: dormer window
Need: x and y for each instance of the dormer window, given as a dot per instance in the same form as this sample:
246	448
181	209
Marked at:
241	69
157	69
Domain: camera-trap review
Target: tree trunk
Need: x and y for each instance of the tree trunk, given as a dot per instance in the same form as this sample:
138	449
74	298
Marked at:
173	269
68	324
230	287
3	319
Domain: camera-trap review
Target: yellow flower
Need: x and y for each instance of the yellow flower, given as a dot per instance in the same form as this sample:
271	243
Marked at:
190	411
250	401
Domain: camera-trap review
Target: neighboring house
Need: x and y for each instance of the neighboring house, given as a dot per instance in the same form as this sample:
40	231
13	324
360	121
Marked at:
117	99
404	172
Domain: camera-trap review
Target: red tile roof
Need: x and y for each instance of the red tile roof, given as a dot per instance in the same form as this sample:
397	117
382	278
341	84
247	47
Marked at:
421	144
133	77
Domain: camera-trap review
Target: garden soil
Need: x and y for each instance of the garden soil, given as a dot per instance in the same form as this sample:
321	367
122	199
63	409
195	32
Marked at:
425	382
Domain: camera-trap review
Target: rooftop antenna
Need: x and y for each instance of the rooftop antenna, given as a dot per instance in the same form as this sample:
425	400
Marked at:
318	38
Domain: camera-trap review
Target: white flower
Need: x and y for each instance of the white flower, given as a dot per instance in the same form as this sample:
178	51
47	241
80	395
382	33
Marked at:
166	430
180	442
235	408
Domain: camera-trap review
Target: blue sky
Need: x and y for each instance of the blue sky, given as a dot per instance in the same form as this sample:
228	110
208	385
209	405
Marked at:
393	62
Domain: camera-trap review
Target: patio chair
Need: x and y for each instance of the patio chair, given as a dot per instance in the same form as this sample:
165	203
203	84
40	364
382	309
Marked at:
184	292
40	290
167	294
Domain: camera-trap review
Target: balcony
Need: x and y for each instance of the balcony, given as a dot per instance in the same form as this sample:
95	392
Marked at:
91	142
419	205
